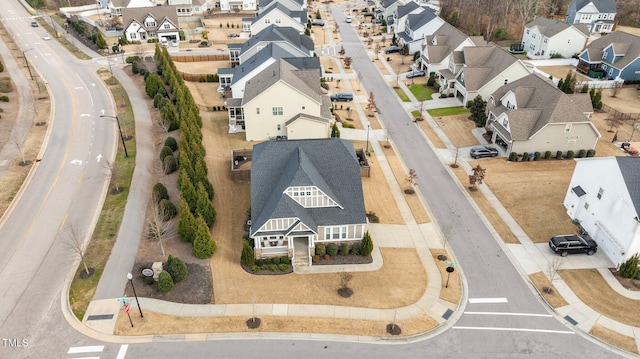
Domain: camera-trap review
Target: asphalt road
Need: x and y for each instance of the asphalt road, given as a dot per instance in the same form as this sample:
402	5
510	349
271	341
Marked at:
35	262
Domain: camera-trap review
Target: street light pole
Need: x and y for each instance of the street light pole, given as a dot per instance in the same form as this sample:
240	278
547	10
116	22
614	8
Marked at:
367	151
130	278
27	61
126	154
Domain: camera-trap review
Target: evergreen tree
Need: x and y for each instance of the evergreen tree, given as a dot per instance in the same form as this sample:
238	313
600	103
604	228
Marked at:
366	245
204	207
186	222
477	108
177	268
152	84
165	282
170	116
188	191
203	245
248	257
335	131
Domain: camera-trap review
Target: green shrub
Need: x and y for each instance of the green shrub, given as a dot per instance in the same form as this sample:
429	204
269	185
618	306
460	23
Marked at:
266	261
320	249
254	269
582	153
276	260
264	267
355	249
171	143
164	152
591	153
629	269
332	249
148	280
143	72
156	100
160	192
373	218
366	245
273	267
559	155
525	156
513	156
547	155
285	260
203	245
4	98
134	67
536	156
170	164
248	257
570	154
344	249
165	282
177	268
167	210
283	267
259	262
132	59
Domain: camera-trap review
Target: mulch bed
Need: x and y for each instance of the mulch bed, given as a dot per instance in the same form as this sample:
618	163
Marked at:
629	283
197	288
348	259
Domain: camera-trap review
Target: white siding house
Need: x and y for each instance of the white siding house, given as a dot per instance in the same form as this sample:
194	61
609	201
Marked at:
607	205
544	37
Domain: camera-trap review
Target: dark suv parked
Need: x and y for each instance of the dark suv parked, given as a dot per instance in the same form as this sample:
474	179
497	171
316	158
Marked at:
483	151
342	96
392	49
572	243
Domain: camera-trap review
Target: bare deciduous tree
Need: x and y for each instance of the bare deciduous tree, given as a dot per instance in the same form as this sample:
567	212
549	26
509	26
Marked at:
553	268
74	239
160	229
477	177
115	173
18	138
371	105
617	85
411	177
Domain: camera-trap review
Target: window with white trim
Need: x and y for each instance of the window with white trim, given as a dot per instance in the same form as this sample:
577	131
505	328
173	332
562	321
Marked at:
567	128
600	192
278	21
257	110
277	111
336	232
267	21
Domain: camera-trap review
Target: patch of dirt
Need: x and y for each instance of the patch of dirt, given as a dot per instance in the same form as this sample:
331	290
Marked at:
631	284
195	289
431	135
552	297
348	259
453	291
458	129
614	338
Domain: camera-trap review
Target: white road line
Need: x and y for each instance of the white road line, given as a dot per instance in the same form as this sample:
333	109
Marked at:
88	358
123	351
487	300
516	314
517	330
88	349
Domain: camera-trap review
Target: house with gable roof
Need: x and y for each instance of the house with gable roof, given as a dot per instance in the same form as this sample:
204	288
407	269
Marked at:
157	22
615	55
300	199
116	6
598	15
607	205
284	100
532	115
479	70
232	5
543	38
413	23
438	48
277	14
191	7
294	5
287	38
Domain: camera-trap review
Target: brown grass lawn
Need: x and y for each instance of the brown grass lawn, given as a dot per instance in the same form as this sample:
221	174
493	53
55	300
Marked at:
202	67
204	93
379	63
554	299
191	325
399	173
594	291
561	72
431	134
614	338
458	129
453	291
532	192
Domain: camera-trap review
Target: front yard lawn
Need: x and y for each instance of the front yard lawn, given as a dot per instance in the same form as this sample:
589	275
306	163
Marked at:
421	92
401	94
447	111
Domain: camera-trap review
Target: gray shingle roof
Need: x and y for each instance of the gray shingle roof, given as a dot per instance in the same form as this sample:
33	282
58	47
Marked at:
403	10
550	27
623	43
604	6
329	164
483	63
443	41
301	73
270	51
160	13
416	21
273	33
301	14
539	103
630	169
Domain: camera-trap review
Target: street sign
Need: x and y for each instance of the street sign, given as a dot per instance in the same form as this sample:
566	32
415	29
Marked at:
451	263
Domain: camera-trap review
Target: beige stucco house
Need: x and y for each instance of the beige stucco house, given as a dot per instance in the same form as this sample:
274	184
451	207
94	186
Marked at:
532	115
285	100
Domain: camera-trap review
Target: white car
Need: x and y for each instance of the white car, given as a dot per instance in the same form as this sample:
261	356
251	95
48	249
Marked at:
348	19
174	43
46	37
164	42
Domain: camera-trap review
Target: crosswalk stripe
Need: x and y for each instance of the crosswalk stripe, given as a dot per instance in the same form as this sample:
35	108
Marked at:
123	351
487	300
87	349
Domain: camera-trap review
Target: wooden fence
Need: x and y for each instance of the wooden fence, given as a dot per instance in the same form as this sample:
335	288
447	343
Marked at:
200	58
621	115
241	164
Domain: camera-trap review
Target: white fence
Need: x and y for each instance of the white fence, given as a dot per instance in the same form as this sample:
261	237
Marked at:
600	84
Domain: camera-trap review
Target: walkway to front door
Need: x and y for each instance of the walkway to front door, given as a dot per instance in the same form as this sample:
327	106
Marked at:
301	251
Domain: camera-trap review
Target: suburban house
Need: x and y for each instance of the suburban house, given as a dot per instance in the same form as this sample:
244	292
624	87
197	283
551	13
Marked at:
412	28
532	115
238	5
614	55
191	7
287	38
607	205
283	101
116	6
278	15
544	38
387	8
439	47
598	15
303	193
233	80
158	22
294	5
479	70
400	13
